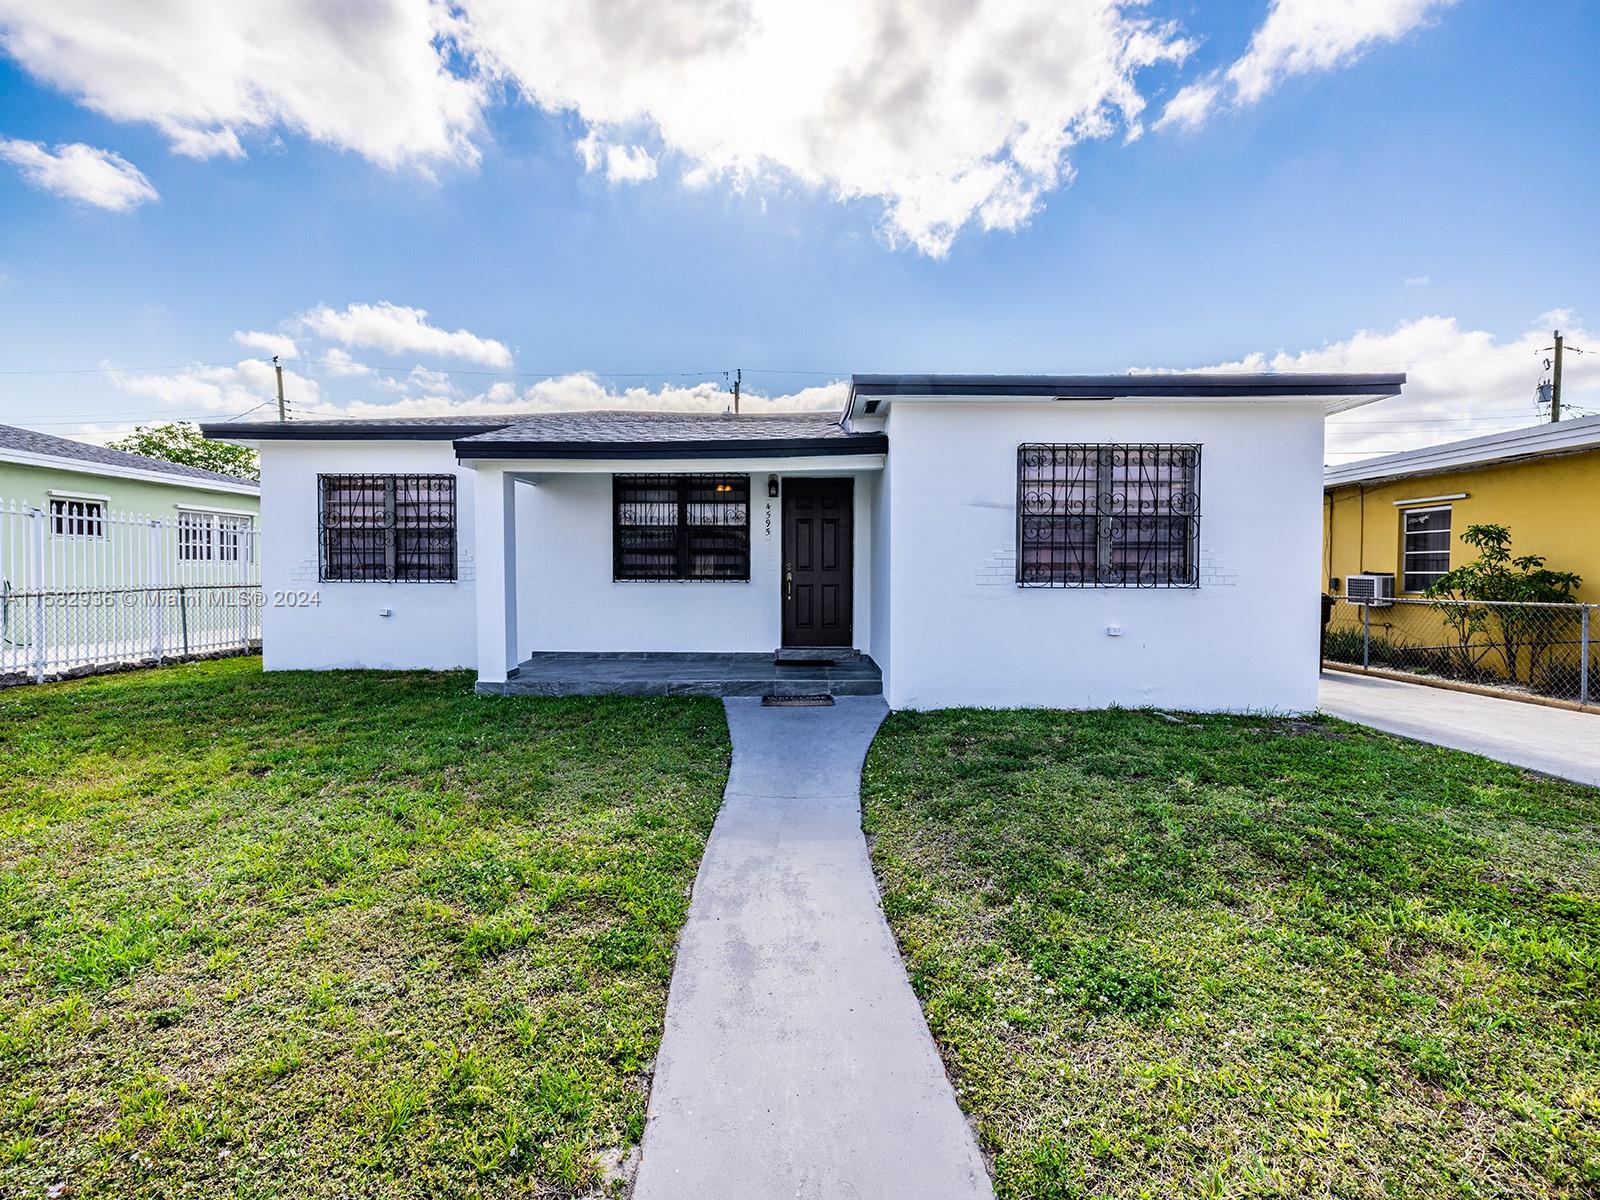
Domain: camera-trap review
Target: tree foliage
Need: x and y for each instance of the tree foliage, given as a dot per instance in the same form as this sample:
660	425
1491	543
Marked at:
181	442
1512	582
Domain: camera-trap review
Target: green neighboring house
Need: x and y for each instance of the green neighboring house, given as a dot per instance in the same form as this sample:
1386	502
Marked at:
39	470
92	497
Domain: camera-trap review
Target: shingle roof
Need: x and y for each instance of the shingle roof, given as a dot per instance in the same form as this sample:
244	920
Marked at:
596	434
588	427
663	434
30	441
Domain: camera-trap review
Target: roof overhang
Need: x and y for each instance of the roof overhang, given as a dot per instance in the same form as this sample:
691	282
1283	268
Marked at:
1334	392
341	431
1516	445
535	470
865	443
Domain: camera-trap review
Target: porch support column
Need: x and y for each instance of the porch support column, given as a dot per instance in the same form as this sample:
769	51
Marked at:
495	515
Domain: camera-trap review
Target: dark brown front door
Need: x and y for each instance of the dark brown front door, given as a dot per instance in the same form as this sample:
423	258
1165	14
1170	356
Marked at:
817	554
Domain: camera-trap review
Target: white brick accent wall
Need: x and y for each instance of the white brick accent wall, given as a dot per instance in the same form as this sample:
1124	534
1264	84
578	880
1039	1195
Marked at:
1216	573
998	570
304	570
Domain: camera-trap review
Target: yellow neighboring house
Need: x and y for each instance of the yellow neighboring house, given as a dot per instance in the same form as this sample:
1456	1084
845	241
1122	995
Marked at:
1404	513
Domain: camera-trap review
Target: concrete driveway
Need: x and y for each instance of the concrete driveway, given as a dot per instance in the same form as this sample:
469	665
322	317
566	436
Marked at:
1556	741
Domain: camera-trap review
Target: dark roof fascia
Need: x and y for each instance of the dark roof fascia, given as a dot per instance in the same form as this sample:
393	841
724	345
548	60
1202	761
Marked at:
348	431
1088	387
862	443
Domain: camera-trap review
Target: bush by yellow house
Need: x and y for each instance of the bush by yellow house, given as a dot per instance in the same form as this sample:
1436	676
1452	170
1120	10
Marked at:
1404	514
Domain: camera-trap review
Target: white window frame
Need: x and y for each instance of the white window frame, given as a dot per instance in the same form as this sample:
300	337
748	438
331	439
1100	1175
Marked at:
1405	554
215	522
93	524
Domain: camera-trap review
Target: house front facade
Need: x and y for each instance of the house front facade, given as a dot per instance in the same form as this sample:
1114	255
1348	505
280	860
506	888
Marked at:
1069	541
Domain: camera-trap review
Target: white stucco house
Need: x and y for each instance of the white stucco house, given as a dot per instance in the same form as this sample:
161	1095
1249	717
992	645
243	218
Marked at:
1066	541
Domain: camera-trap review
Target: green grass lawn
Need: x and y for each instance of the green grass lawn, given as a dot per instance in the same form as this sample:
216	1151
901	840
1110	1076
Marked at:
1243	957
336	934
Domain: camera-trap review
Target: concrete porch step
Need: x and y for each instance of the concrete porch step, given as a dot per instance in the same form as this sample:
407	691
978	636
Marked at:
566	674
792	655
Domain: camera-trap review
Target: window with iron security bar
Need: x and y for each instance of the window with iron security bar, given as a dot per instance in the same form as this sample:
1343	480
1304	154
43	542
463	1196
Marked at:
399	528
1113	515
680	527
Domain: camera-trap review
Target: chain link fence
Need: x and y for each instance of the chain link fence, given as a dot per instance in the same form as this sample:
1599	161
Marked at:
1547	650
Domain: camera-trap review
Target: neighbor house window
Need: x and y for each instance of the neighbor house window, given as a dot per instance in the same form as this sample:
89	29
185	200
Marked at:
680	526
212	536
1108	515
1425	547
388	527
71	517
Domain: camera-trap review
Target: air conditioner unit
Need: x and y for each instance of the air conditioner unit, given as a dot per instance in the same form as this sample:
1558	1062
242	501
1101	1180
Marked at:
1376	590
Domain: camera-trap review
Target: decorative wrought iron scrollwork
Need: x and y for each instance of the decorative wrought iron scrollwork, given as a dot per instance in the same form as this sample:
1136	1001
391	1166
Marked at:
680	527
1108	515
388	527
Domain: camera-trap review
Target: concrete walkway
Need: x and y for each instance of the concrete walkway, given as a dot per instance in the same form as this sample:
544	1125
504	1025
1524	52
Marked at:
796	1062
1556	741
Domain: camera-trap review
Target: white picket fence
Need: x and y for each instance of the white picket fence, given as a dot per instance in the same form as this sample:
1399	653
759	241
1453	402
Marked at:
85	589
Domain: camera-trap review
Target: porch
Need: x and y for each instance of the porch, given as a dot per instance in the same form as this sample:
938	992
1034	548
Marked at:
685	674
668	554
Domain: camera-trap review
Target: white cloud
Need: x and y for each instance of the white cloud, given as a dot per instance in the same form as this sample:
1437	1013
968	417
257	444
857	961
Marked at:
234	389
267	343
374	77
401	330
950	115
621	163
1299	37
584	391
98	177
421	381
1460	382
1417	281
338	363
1192	106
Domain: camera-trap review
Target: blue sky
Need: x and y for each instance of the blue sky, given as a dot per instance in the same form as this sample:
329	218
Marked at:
1428	181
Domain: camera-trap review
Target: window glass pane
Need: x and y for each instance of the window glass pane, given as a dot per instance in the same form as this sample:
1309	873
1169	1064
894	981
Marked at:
352	518
718	512
1425	547
77	518
425	527
194	537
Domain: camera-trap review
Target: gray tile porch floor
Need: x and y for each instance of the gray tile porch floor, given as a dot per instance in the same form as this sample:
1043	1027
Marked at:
686	675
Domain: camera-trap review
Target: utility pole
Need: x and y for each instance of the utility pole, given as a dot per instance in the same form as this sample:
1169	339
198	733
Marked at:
1555	383
738	378
1555	375
279	370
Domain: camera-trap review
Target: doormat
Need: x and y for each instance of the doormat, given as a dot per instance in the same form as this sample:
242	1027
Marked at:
815	700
